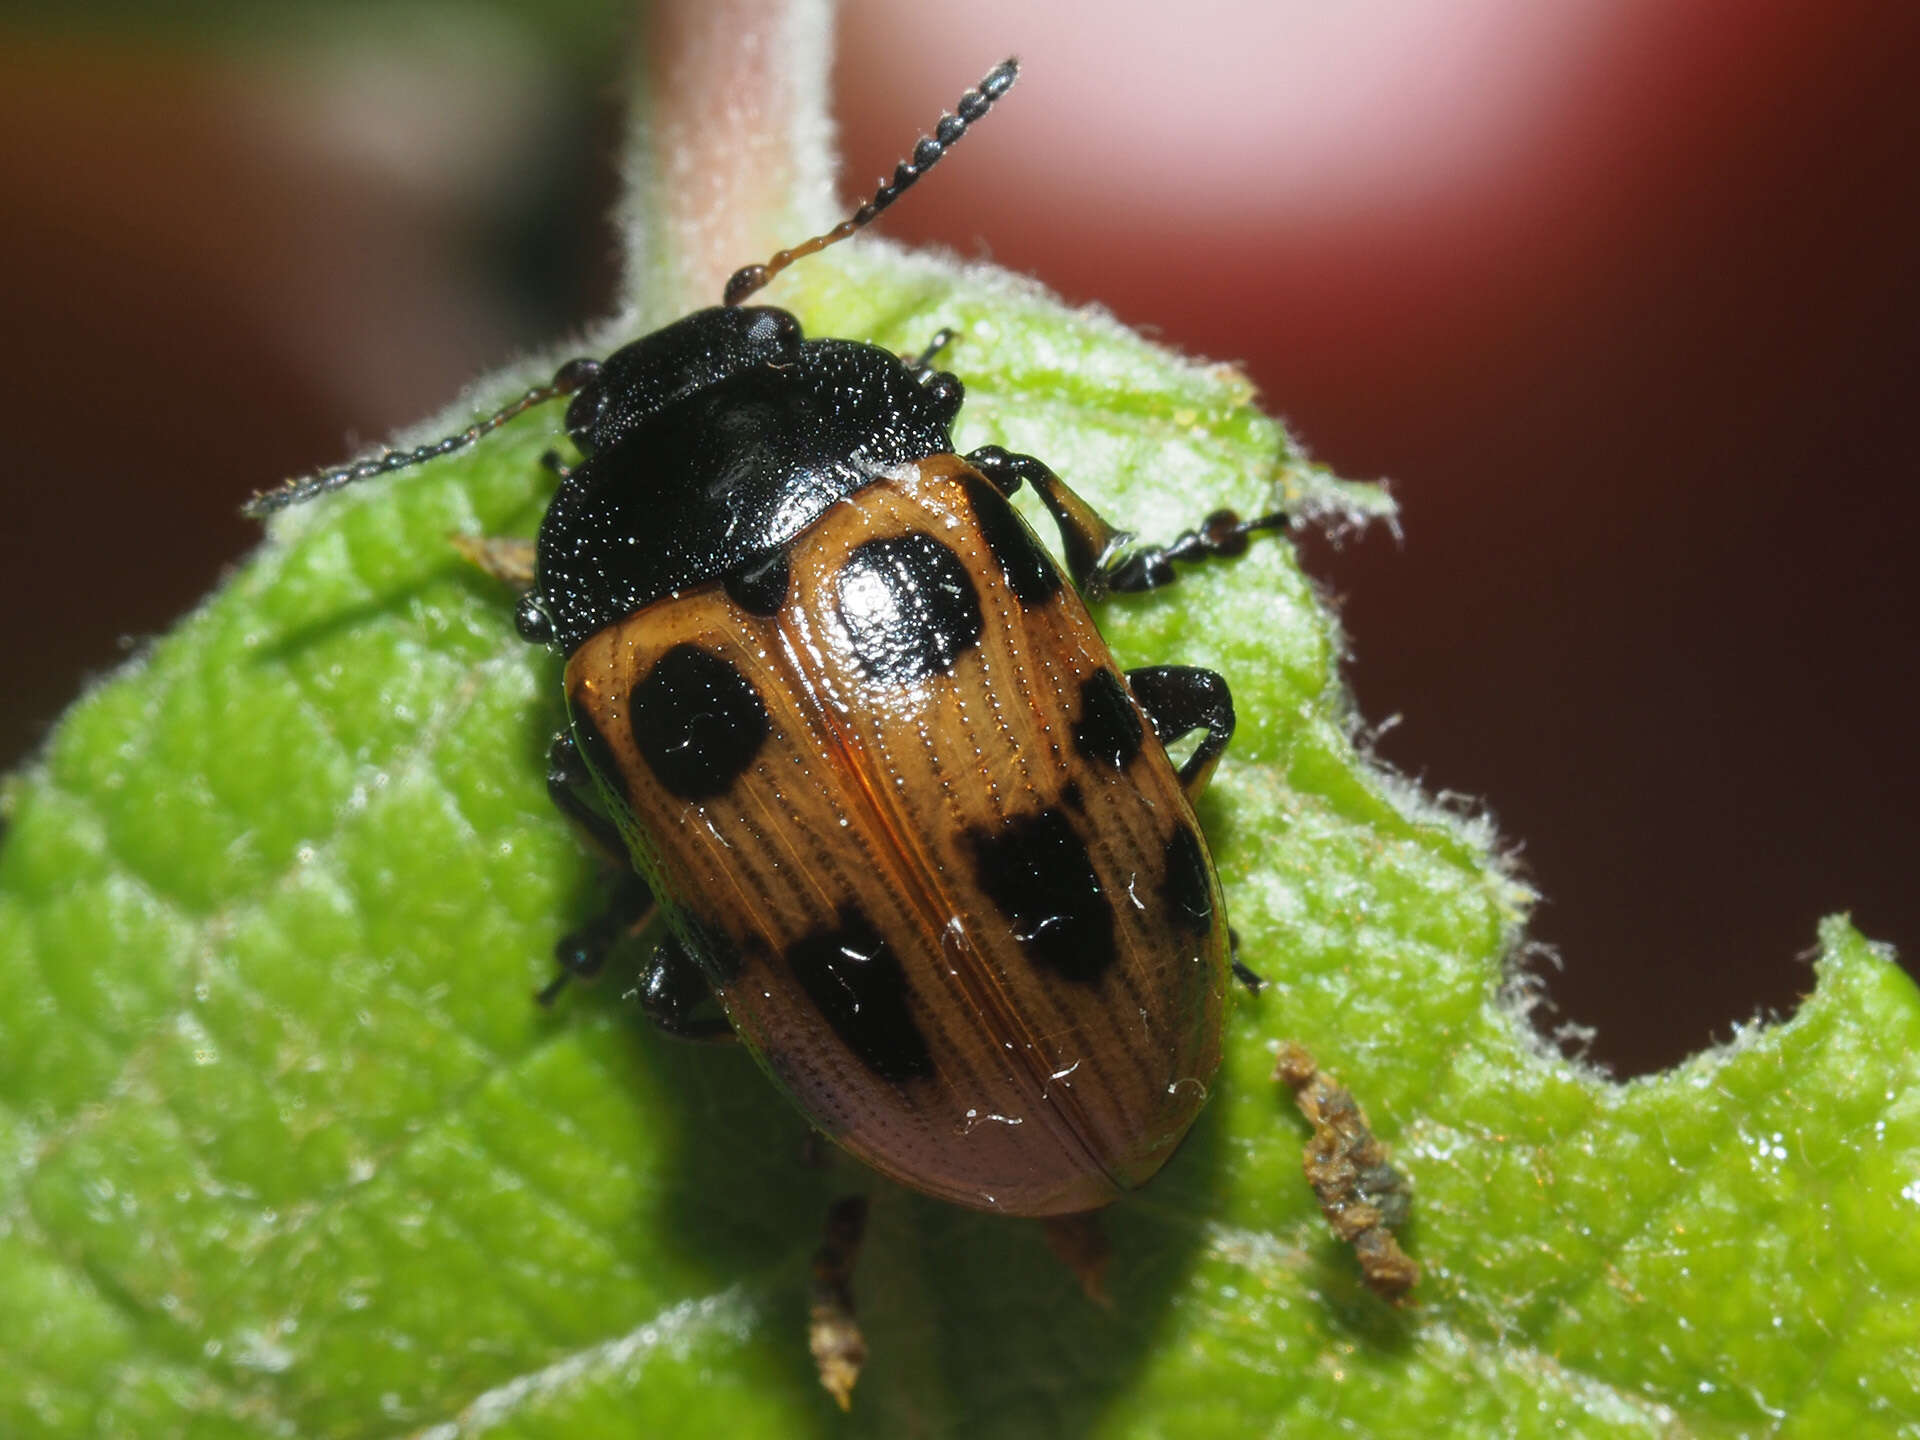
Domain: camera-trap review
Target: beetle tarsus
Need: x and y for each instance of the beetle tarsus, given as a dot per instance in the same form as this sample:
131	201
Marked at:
1099	559
833	1331
582	953
922	364
1223	535
1251	980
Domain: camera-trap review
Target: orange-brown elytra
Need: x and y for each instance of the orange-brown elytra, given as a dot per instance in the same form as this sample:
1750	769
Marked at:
924	841
887	797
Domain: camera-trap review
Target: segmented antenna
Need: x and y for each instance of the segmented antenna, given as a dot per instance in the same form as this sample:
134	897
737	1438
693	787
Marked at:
570	378
575	373
970	107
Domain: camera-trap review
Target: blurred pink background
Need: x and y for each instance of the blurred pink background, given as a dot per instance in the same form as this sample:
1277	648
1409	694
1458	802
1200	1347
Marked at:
1621	296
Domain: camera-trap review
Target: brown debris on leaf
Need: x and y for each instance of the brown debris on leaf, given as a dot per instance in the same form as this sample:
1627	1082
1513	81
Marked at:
1364	1198
833	1334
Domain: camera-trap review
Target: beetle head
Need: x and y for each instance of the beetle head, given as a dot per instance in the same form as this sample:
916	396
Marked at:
640	380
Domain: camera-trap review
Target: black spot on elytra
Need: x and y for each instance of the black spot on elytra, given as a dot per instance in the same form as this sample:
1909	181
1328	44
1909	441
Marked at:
593	746
1031	574
760	586
1188	885
1037	870
698	722
1109	728
909	607
857	982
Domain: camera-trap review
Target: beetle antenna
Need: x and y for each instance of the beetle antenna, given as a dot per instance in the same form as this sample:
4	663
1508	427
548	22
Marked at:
571	377
969	108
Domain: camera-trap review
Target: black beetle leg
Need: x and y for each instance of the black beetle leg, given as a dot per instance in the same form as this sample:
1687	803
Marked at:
922	364
1221	536
550	460
582	954
1252	979
1180	699
1089	541
673	987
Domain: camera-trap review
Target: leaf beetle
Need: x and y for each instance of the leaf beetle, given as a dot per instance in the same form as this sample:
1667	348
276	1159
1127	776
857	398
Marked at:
868	761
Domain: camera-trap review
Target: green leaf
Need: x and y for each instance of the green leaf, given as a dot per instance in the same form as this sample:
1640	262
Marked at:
288	1150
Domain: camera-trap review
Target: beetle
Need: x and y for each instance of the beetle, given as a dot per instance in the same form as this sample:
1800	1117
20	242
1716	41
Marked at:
872	766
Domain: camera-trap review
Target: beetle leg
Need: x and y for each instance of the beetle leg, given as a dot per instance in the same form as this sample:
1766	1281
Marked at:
1221	536
922	364
1180	699
1089	541
508	561
583	953
570	786
1097	556
1252	979
833	1332
672	988
511	562
1080	1243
